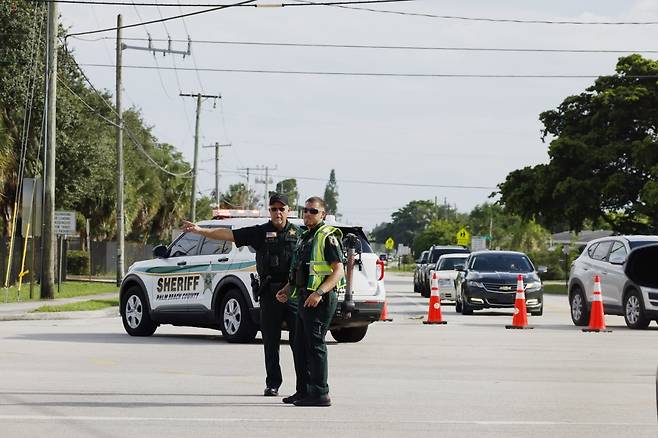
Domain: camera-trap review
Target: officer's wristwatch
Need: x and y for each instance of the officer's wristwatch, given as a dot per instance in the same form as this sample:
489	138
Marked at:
320	292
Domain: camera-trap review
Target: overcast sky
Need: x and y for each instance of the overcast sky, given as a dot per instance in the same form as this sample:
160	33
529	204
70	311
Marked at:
398	130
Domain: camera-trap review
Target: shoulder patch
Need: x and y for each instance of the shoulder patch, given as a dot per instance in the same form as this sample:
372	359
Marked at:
333	240
292	232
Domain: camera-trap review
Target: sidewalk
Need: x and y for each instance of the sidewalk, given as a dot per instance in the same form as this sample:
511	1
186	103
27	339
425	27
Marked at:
21	310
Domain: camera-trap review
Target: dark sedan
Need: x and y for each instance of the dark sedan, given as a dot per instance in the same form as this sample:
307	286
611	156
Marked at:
488	280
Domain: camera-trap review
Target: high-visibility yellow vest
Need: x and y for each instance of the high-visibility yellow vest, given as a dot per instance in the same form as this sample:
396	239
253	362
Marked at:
318	266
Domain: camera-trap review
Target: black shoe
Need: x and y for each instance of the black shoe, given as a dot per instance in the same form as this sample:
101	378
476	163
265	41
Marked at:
322	400
293	398
271	392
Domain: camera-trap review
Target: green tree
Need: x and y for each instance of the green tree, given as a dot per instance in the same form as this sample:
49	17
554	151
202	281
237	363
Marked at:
438	232
407	223
331	194
239	196
603	157
288	187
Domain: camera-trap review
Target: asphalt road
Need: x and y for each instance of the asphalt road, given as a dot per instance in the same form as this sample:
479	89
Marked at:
469	378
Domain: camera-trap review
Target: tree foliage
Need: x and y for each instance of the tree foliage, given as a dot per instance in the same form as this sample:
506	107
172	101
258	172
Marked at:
85	155
288	187
239	196
603	157
331	194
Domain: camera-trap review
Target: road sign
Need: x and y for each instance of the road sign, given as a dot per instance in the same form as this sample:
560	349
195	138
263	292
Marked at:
389	244
478	243
65	223
463	237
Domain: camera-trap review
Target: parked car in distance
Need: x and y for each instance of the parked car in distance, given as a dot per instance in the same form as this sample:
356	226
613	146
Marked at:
420	262
446	271
606	258
489	278
435	252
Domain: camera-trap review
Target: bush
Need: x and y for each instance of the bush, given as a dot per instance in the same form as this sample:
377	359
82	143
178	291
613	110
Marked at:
77	262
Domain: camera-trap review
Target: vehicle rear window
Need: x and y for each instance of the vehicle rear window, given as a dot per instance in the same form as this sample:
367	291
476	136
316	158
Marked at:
438	252
638	244
502	263
448	264
601	251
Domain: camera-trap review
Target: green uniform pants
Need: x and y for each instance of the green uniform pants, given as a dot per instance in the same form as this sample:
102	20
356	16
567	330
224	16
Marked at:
312	326
272	315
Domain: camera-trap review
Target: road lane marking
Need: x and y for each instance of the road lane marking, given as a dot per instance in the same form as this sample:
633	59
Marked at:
317	420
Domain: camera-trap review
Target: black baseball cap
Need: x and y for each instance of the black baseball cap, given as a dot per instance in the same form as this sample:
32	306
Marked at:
278	197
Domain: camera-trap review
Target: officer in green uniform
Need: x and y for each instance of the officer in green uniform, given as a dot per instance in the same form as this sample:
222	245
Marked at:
316	275
274	243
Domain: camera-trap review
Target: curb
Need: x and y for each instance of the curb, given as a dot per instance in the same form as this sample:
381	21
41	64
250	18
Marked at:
110	312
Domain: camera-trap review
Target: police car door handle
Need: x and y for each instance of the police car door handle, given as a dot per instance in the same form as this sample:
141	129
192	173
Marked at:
182	263
222	259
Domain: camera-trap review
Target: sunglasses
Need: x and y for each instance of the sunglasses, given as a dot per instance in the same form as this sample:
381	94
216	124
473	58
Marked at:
312	210
275	209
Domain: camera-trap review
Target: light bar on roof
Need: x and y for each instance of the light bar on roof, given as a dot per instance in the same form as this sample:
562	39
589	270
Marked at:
223	213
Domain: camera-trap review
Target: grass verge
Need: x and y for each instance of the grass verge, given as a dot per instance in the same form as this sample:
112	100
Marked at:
68	289
555	289
80	306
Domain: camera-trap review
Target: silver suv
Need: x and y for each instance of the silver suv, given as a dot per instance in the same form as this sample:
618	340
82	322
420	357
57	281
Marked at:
606	257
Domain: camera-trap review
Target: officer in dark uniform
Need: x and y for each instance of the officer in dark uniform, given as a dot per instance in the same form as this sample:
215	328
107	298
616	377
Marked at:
274	243
316	275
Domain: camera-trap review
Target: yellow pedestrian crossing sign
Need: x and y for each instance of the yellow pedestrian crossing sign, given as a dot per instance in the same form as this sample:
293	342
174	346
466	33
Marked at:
389	244
463	237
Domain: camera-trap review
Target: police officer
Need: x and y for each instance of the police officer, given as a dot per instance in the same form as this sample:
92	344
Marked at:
274	243
315	276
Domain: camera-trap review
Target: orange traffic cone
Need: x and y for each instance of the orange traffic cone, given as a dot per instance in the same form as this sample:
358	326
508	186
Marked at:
520	319
596	317
434	312
384	315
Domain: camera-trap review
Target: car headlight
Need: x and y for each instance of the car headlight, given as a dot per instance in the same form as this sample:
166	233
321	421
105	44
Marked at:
477	284
533	285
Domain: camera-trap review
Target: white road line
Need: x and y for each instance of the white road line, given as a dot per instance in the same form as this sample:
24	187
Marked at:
305	420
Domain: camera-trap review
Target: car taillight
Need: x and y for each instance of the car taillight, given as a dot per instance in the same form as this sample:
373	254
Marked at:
380	270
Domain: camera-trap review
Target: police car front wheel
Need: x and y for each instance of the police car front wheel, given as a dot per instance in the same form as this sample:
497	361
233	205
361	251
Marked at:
135	314
235	322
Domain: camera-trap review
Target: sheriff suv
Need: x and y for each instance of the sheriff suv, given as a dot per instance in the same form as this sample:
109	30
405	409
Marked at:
201	282
606	258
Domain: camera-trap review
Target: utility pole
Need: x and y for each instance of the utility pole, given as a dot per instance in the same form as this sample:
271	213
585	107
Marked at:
121	220
48	275
248	169
267	181
120	178
217	146
195	169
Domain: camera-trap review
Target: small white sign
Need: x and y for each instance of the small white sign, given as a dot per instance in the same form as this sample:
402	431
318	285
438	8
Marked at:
478	243
403	250
65	223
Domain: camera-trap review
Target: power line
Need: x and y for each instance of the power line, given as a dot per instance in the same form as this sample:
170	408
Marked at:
206	5
489	19
113	111
379	183
379	74
189	14
387	47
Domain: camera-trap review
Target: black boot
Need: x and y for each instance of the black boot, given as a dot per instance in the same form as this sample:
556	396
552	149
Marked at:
293	398
322	400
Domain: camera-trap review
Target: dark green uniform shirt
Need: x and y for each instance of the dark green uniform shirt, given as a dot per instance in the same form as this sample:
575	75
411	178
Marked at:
274	248
333	252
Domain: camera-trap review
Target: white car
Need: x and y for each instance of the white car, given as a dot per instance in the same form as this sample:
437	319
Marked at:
200	282
606	258
445	270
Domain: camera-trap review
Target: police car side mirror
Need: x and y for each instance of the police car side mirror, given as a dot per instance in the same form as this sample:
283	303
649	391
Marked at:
160	252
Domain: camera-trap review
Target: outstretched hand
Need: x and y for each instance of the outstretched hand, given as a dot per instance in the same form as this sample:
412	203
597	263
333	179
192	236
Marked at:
190	227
